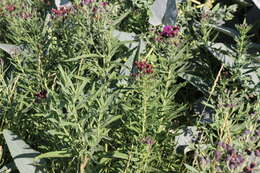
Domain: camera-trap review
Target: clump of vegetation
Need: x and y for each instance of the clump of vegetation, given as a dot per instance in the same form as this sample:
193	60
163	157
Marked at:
114	86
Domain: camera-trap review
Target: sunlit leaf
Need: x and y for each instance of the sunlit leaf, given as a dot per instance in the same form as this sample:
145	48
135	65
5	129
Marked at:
257	3
163	12
22	153
53	154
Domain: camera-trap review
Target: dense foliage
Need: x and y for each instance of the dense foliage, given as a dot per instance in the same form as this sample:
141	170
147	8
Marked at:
131	86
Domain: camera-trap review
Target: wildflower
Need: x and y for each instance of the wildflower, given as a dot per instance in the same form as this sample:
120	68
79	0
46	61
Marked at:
41	95
63	11
144	67
246	132
217	155
104	4
257	153
257	133
230	149
170	31
148	140
10	8
26	15
158	39
235	160
85	2
221	144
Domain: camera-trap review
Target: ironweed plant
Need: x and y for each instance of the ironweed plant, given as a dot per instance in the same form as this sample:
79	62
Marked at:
94	87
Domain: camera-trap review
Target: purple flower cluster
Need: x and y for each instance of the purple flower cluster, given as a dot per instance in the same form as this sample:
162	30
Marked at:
41	95
10	8
144	67
170	31
61	12
228	154
86	2
147	140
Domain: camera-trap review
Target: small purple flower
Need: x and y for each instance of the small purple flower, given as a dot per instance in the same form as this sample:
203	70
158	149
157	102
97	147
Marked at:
26	15
221	144
41	95
170	31
104	4
257	133
148	141
235	160
10	8
257	153
246	132
217	155
86	2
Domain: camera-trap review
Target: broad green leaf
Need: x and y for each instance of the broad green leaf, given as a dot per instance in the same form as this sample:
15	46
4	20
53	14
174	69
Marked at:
22	153
53	154
163	12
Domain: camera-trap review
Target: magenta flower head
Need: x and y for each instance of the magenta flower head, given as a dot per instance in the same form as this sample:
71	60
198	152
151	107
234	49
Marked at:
217	155
148	141
86	2
144	67
104	4
170	31
10	8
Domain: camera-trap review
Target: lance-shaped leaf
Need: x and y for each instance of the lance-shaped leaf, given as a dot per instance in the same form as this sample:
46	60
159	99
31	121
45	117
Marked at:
196	80
226	30
47	23
163	12
135	47
63	3
22	153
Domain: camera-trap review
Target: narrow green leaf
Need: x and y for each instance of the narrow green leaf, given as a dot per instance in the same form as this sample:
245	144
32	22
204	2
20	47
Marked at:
120	155
190	168
53	154
111	120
